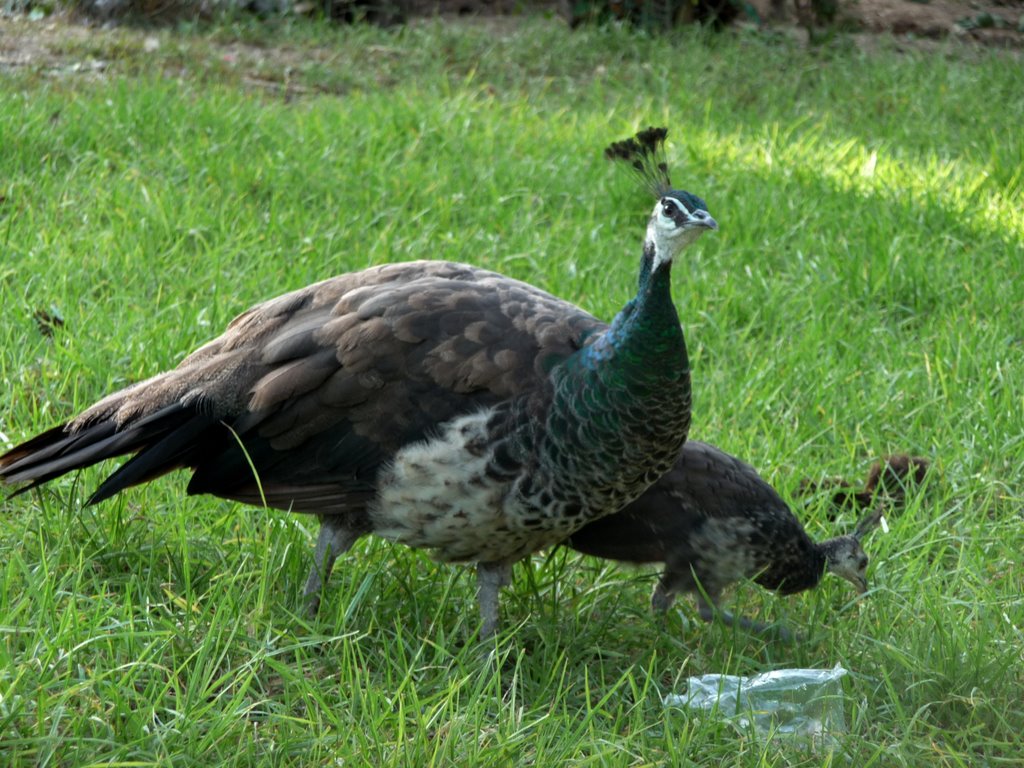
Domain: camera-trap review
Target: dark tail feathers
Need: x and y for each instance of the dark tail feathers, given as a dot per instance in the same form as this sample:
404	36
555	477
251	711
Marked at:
161	442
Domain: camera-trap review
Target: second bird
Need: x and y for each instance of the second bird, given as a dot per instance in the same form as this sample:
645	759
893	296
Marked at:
713	520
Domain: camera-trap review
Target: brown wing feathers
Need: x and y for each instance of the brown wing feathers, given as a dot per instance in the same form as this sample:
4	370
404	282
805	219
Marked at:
320	385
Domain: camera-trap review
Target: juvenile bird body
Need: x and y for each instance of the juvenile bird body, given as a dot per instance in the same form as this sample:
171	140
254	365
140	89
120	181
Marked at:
712	520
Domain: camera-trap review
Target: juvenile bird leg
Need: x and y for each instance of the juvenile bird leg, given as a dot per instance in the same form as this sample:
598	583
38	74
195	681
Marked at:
490	578
335	538
662	598
709	609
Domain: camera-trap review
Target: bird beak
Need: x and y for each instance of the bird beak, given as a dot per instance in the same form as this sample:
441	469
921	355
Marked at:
708	221
862	585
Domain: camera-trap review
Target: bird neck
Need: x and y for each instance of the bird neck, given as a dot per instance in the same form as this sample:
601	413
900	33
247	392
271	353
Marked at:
801	568
647	328
620	407
644	345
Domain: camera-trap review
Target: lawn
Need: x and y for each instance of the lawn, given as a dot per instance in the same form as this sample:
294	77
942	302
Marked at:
863	296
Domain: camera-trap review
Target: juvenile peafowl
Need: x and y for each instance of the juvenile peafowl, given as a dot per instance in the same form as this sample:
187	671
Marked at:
712	520
432	403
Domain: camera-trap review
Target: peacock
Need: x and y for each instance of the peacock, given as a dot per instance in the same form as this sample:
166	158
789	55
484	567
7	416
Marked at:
432	403
712	520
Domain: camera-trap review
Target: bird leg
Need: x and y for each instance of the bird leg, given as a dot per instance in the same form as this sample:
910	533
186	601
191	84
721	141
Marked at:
709	609
490	578
335	538
662	597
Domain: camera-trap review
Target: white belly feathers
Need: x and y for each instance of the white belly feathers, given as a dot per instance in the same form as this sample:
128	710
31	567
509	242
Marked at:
437	494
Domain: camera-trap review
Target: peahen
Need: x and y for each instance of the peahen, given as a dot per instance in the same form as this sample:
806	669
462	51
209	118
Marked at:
435	404
712	520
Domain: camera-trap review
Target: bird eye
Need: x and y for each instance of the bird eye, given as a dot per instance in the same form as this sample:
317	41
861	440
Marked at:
668	207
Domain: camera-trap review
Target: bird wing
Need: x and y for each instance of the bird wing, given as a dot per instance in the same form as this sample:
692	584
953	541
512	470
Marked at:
321	386
719	483
705	484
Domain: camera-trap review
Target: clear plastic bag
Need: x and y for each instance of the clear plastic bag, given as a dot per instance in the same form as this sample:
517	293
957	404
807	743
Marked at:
797	702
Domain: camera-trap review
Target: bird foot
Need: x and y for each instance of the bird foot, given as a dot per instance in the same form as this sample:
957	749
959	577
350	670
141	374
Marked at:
312	605
333	540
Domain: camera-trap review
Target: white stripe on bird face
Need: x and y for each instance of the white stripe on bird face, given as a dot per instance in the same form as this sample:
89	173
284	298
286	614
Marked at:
671	228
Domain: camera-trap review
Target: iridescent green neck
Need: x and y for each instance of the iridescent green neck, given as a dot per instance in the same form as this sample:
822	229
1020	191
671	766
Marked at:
646	332
618	410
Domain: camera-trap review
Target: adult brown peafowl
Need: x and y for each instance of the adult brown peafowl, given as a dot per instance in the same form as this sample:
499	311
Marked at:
432	403
712	520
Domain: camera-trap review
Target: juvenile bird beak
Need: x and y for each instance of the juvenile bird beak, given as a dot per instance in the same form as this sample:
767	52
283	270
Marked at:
861	585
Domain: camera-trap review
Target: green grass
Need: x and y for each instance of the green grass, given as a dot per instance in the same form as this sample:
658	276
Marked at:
863	296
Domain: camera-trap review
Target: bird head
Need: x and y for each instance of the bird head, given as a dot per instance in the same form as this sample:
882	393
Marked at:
679	217
845	557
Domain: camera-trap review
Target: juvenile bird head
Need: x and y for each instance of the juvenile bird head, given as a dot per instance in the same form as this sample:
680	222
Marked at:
845	557
679	217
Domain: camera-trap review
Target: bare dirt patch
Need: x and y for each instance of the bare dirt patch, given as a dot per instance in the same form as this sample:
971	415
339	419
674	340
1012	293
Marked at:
62	45
933	19
988	22
994	23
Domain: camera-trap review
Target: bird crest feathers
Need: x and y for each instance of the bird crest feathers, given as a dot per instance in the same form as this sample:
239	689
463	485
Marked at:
645	155
868	523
